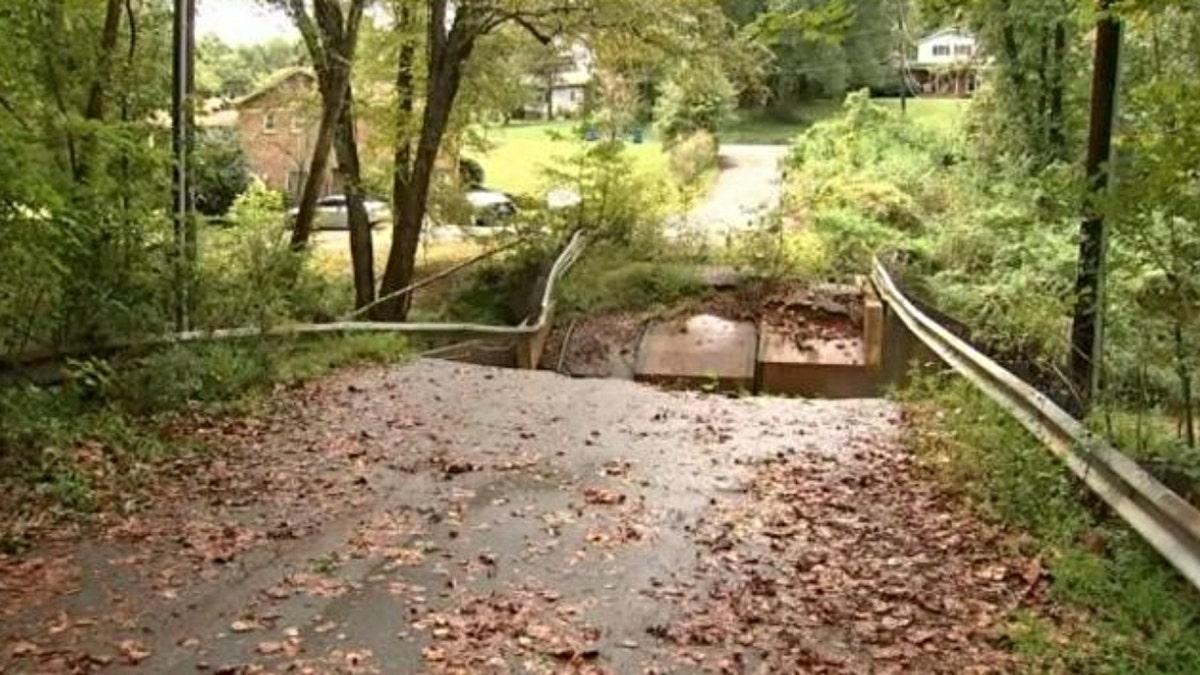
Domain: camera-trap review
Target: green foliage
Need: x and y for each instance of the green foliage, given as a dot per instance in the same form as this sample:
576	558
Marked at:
697	98
220	170
1035	111
89	444
773	250
692	157
229	72
1126	610
615	279
820	48
249	274
83	175
616	202
500	292
860	181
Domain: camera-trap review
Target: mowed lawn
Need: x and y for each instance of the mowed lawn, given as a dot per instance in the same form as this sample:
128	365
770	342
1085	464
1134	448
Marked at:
520	153
780	126
939	113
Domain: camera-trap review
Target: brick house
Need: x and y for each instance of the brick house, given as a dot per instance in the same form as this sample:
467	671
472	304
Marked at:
277	124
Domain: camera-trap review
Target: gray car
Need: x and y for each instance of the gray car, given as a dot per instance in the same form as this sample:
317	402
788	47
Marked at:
333	214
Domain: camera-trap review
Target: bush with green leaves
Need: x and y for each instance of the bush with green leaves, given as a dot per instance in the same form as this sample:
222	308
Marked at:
692	157
220	170
616	203
616	279
250	275
697	97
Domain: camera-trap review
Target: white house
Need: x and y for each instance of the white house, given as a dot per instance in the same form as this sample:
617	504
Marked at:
947	63
560	88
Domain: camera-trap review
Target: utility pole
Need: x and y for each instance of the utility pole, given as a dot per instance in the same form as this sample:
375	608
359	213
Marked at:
182	123
1087	329
900	5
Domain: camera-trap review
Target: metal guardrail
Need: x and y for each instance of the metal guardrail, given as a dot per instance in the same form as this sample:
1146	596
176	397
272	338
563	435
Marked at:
1164	519
533	328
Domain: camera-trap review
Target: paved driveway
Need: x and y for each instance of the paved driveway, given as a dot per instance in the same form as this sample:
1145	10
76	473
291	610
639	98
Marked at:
747	188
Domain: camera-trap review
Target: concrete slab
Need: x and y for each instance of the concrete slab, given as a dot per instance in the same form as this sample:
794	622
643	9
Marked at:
817	369
698	351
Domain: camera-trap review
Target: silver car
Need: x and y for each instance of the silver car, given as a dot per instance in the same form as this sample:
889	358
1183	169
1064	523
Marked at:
333	214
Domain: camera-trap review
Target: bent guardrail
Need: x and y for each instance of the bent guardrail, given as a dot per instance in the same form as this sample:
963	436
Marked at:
1164	519
530	334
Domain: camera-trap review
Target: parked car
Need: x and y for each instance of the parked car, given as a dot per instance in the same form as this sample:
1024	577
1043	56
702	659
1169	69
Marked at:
333	214
490	208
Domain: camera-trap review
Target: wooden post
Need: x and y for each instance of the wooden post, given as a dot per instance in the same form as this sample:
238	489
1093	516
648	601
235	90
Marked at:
182	123
1087	329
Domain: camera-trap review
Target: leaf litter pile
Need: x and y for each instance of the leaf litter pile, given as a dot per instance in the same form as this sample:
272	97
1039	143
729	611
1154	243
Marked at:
850	563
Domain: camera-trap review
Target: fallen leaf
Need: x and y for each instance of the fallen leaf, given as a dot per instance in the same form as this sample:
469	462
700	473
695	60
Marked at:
22	648
132	651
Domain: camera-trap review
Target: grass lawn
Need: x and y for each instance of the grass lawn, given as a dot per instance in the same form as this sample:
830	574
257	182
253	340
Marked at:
779	126
940	113
520	153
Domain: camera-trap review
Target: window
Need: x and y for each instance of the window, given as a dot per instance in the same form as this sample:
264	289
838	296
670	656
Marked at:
269	121
941	50
962	50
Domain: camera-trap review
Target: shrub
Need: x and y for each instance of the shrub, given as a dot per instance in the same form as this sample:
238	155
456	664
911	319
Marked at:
616	202
692	157
249	274
220	170
612	280
776	250
696	98
852	239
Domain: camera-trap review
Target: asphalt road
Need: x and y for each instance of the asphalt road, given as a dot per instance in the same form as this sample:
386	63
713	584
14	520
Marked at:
439	517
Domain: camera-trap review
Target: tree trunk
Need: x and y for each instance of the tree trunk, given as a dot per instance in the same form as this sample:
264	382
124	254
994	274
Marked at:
332	98
1184	371
362	252
1057	117
411	188
94	108
1087	325
1043	86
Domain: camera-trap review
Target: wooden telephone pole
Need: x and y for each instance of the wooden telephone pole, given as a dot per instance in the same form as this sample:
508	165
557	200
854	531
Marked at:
183	88
903	24
1087	329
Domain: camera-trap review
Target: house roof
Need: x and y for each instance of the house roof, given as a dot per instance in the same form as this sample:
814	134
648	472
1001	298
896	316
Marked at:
219	118
276	79
948	30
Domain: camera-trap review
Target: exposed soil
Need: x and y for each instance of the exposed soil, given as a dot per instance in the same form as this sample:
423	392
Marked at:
606	345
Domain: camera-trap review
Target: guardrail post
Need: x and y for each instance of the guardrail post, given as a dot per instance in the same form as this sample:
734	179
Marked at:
872	326
530	347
